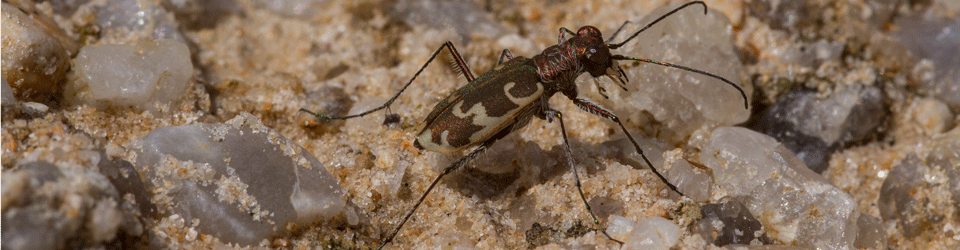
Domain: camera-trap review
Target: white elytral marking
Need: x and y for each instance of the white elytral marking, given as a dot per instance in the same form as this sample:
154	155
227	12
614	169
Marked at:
426	141
493	124
522	101
477	109
489	125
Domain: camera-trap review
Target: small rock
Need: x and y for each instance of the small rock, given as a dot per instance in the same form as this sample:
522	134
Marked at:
464	17
8	99
728	222
946	156
35	107
603	207
148	75
35	61
812	54
785	15
813	127
871	233
45	207
243	181
901	199
916	190
930	115
935	39
330	101
294	8
67	7
795	205
692	181
143	17
197	14
648	233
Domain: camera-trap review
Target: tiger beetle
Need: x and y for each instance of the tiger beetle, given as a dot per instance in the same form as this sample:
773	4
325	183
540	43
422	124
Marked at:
504	99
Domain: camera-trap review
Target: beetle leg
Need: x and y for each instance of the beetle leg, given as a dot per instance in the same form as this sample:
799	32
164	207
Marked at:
600	88
563	35
615	33
457	59
596	109
505	54
573	165
454	166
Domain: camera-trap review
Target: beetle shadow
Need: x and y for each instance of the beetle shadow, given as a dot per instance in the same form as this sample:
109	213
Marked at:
513	165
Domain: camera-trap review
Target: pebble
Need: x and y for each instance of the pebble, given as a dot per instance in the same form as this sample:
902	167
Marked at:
935	39
729	222
330	101
915	189
252	180
930	115
813	127
871	233
35	61
203	13
294	8
647	233
785	15
55	205
8	99
465	18
795	205
146	18
149	75
693	182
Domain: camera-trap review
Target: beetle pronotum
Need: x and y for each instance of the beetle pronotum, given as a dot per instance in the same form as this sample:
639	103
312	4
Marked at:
504	99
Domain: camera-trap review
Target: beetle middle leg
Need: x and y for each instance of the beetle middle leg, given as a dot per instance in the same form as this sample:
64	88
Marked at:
549	114
505	54
596	109
458	61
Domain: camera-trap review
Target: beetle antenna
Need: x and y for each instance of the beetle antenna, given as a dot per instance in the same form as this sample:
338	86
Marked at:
742	94
615	46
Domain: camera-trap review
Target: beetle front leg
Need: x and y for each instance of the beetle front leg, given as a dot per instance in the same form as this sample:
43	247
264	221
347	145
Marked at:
549	114
596	109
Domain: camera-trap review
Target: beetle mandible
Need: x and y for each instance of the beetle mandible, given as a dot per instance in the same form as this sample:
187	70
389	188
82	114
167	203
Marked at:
505	98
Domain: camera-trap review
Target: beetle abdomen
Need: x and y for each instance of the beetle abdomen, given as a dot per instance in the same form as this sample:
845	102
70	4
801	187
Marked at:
498	96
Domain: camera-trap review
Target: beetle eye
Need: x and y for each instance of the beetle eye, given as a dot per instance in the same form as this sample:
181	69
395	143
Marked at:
594	56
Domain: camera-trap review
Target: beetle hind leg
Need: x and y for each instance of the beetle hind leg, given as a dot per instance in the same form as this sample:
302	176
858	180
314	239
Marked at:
453	166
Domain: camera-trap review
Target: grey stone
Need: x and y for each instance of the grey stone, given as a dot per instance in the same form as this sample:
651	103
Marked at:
146	75
795	205
728	222
243	181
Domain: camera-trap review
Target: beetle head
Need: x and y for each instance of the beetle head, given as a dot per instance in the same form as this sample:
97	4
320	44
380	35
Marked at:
595	55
